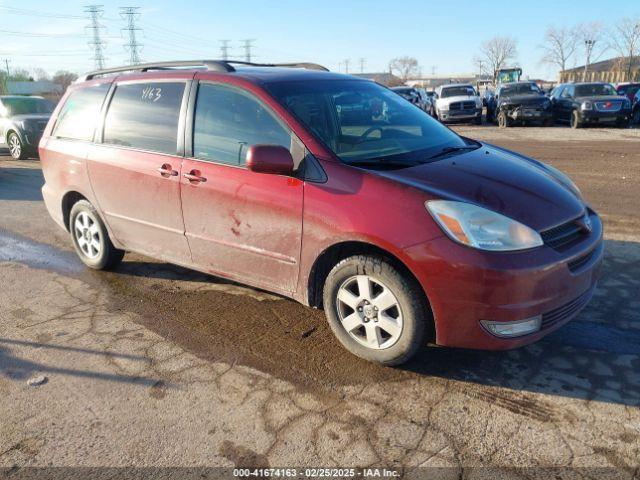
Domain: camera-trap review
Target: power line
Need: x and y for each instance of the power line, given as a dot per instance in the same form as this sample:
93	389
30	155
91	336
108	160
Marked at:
224	49
131	14
38	13
95	12
247	46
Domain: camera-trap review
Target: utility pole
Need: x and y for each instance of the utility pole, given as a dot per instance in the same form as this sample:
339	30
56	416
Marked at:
94	12
247	46
131	15
6	63
224	49
433	70
346	65
362	63
588	47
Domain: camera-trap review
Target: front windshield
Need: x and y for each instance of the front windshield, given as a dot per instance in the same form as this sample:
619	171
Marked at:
363	122
26	105
457	92
594	89
520	89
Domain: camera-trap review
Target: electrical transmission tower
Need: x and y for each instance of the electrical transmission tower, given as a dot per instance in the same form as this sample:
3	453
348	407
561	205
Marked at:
94	12
346	65
224	49
362	62
247	46
131	15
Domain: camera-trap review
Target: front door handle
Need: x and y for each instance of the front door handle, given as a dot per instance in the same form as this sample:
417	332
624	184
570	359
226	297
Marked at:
167	171
194	176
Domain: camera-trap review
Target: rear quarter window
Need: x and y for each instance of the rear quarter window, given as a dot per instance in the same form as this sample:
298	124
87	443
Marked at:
145	116
79	115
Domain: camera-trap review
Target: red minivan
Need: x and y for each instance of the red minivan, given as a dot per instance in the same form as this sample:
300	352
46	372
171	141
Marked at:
325	188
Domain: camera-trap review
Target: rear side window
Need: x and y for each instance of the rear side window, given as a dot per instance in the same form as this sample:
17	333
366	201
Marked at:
78	117
228	121
145	116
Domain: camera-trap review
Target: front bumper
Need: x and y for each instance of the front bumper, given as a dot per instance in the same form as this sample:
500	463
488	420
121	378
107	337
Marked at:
531	115
465	286
596	116
459	115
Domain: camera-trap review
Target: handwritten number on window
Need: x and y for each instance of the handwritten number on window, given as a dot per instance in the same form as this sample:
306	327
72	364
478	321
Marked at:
152	94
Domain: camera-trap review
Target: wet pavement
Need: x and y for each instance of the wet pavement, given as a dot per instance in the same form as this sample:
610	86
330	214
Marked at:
156	365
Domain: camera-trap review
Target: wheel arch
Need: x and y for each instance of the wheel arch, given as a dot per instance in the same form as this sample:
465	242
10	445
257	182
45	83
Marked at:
69	199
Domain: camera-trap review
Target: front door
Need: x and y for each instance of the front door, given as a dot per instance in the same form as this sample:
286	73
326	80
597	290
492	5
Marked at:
135	171
240	224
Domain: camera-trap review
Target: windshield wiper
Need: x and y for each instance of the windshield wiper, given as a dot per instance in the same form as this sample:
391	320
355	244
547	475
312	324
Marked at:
448	150
383	162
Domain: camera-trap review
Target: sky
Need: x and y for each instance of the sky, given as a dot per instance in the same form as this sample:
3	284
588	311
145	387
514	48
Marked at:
443	36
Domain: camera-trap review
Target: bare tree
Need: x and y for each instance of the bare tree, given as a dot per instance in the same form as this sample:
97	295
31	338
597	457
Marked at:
405	67
559	46
40	74
496	52
591	41
64	78
625	40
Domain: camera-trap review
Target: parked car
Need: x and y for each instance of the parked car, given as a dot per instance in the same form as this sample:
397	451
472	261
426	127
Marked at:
635	114
458	102
519	102
428	101
400	229
590	103
22	121
413	95
630	90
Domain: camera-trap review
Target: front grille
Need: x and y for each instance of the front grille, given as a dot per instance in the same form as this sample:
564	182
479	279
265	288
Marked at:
563	236
608	106
578	263
462	106
567	310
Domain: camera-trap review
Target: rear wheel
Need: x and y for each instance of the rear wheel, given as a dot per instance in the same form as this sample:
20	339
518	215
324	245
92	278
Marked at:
91	239
16	148
576	121
375	311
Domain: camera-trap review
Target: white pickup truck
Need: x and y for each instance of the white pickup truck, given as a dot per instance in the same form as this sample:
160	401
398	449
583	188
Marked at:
458	103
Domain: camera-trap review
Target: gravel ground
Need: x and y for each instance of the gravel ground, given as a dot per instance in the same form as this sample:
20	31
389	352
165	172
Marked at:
154	365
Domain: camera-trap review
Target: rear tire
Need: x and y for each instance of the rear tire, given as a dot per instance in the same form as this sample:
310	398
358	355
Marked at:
91	238
575	121
374	310
16	147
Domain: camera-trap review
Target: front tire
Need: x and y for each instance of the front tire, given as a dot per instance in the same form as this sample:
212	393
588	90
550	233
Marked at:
576	121
91	239
503	120
16	148
374	310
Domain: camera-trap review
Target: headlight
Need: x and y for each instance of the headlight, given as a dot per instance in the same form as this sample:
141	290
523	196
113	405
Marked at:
627	103
443	106
586	105
478	103
546	104
481	228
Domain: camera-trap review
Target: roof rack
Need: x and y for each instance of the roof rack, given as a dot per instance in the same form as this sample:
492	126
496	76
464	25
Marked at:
212	65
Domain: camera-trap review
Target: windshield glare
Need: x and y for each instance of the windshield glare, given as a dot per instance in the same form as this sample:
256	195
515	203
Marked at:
520	89
26	105
597	89
457	92
363	122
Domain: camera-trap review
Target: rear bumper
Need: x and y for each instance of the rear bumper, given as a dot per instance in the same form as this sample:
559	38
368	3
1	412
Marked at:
465	286
54	205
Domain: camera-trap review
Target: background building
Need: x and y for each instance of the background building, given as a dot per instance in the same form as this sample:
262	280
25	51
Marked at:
614	70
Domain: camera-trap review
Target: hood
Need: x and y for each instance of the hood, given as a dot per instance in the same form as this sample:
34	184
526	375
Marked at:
500	180
523	99
601	98
458	98
31	116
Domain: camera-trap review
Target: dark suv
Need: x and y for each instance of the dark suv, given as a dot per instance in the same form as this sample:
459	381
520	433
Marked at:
519	102
22	121
325	188
590	103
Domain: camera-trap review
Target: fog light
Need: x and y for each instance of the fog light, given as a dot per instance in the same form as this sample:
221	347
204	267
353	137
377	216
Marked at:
513	329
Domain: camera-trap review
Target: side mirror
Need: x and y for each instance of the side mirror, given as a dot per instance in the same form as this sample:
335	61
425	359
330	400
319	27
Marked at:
273	159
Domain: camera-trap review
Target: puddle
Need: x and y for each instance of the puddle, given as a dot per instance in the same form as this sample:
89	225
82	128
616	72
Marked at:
16	248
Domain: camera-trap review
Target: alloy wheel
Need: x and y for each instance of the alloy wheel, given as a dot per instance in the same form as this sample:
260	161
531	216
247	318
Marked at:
15	147
369	312
87	235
